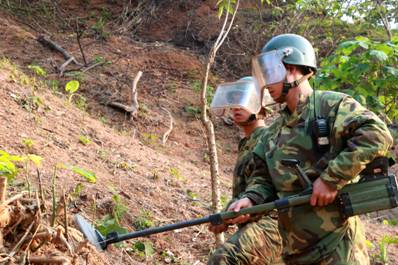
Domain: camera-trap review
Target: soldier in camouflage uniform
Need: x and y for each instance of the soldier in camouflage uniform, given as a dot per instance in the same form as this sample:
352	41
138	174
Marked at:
314	233
256	242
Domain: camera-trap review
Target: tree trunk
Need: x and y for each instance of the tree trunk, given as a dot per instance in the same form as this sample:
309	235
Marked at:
208	124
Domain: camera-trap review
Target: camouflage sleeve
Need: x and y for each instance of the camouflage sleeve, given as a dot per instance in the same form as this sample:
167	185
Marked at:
363	137
260	188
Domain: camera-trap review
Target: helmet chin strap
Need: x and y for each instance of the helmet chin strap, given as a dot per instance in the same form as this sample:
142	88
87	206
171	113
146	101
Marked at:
287	86
249	120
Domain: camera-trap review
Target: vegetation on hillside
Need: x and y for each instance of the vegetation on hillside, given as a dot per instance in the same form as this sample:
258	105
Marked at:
356	45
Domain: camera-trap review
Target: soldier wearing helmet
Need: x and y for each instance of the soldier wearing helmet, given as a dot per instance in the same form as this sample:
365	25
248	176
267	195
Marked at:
256	242
332	136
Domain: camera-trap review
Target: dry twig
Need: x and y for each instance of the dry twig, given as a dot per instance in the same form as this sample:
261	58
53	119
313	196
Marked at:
65	214
3	189
78	36
49	260
18	245
26	252
15	197
167	133
133	99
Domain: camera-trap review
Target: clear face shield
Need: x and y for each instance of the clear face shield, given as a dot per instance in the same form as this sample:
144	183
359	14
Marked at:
268	67
243	94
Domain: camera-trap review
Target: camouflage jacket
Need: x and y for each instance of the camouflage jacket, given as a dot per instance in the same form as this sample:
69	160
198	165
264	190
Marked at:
357	136
244	164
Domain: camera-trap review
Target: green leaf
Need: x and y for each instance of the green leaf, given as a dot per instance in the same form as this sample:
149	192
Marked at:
35	159
361	99
78	190
363	42
344	59
387	49
374	103
230	9
88	175
362	39
369	244
220	11
7	169
62	166
379	55
38	70
391	70
109	224
72	86
139	246
84	140
347	47
149	251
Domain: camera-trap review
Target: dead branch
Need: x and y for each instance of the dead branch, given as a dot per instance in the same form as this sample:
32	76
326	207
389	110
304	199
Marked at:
78	36
65	214
45	235
60	239
15	197
133	99
167	133
49	260
64	65
384	20
89	67
18	245
47	42
3	189
13	227
55	237
5	216
26	252
4	209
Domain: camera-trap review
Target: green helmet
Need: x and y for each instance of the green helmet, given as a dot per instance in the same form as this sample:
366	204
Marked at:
302	51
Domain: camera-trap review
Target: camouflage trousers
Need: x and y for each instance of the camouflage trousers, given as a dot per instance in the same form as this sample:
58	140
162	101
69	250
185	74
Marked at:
351	250
257	243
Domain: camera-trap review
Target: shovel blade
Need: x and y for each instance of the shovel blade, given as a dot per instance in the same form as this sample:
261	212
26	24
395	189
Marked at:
90	233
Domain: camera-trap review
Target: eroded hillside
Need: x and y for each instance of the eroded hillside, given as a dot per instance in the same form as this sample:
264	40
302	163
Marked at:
157	184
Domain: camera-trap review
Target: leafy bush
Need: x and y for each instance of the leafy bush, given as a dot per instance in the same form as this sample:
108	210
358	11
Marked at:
143	220
383	248
7	167
366	70
38	70
111	223
143	249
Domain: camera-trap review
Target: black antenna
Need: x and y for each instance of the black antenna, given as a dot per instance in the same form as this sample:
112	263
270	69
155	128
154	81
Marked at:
320	129
315	116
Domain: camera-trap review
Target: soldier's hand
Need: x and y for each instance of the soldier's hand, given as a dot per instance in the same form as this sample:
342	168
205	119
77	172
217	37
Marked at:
322	193
235	207
218	228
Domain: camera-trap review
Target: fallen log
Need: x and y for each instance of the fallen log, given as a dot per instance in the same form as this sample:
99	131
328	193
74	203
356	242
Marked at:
47	42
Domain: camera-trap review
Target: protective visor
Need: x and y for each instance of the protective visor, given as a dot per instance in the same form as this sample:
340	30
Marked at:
268	68
243	94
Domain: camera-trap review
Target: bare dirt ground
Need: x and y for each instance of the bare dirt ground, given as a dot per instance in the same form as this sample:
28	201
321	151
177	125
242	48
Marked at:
170	182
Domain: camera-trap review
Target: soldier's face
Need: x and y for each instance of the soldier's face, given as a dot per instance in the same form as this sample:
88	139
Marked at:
240	115
275	90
